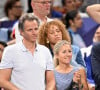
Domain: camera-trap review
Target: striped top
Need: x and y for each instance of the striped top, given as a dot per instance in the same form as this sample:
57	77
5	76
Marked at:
63	80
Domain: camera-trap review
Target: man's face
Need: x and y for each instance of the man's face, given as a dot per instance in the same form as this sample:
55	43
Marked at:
17	9
30	31
70	5
42	7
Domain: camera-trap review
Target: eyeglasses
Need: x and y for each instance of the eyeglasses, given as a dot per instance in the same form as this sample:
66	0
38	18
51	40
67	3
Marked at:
44	2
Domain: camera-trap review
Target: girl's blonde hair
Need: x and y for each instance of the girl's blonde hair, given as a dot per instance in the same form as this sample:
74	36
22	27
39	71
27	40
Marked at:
57	47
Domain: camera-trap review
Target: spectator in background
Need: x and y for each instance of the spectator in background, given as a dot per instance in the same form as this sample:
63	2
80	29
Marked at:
2	46
79	7
57	6
68	5
54	14
27	65
78	3
73	22
13	10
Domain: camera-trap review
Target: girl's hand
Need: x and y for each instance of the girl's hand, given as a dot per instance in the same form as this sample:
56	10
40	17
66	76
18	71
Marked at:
77	77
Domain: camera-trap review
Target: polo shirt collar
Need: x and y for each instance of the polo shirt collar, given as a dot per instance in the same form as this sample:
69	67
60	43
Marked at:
24	49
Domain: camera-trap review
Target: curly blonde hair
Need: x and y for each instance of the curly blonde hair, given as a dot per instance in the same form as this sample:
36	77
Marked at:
43	30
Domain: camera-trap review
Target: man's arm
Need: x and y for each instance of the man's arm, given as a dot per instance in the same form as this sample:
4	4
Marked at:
50	80
5	75
94	12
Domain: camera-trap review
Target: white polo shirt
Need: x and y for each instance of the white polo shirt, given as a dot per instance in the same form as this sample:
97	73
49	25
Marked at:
28	71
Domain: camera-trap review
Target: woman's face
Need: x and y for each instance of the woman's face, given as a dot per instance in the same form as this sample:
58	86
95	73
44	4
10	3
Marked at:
54	34
65	54
77	21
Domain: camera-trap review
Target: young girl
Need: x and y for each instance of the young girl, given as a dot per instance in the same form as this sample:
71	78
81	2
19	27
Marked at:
67	76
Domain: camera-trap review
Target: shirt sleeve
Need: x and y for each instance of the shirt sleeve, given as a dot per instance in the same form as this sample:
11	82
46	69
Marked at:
6	61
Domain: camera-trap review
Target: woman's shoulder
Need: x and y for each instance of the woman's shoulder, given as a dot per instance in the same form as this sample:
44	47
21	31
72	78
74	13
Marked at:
75	68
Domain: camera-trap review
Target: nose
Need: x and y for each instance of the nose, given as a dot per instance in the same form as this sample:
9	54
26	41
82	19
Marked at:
55	33
69	53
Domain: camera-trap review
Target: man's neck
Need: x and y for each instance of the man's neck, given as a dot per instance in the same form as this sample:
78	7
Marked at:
30	45
41	17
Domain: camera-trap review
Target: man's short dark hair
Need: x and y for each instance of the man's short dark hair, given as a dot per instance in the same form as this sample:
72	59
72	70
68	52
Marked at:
25	17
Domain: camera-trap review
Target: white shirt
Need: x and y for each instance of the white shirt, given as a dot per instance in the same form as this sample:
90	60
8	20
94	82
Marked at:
28	71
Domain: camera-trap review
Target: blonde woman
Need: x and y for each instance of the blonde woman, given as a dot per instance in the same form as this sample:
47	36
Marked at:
67	77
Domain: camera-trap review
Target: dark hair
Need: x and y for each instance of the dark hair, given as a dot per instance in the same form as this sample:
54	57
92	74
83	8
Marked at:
3	43
70	16
25	17
9	5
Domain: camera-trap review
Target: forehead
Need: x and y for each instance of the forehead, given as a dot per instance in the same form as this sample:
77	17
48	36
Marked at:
65	46
53	26
32	23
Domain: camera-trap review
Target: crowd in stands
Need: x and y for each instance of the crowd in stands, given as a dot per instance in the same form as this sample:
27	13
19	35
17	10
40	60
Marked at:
40	45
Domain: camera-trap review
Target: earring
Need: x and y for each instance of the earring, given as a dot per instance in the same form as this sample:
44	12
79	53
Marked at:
47	41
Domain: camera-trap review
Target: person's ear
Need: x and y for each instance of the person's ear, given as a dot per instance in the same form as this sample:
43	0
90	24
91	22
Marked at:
47	41
21	32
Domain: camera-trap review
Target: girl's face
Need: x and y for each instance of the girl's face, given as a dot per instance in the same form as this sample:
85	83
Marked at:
65	54
54	34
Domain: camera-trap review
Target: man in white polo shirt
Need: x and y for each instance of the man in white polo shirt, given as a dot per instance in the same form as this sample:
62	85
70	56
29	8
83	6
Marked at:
27	65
